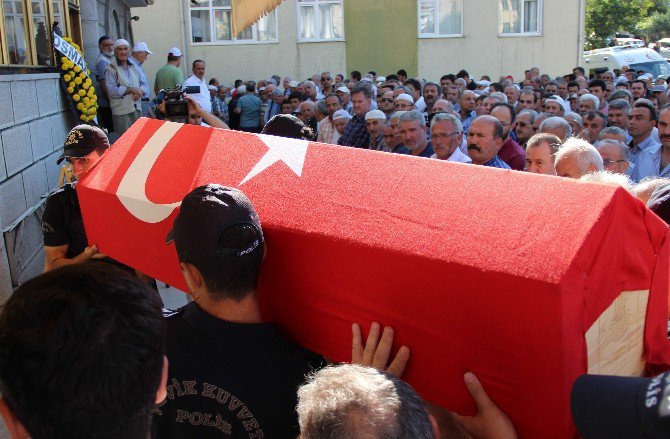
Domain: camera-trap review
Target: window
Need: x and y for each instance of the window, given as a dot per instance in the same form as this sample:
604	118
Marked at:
25	31
320	20
518	17
211	23
440	18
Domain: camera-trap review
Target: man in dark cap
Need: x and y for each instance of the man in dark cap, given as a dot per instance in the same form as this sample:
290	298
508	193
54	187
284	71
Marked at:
65	240
231	374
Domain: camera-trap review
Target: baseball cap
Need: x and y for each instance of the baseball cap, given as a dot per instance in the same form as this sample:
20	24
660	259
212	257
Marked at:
658	89
621	80
573	97
341	114
293	84
121	42
212	87
206	218
344	89
141	46
621	407
174	51
83	140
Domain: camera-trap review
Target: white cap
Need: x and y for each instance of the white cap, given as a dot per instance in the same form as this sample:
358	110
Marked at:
121	42
212	87
261	89
381	78
375	114
341	114
344	89
174	51
242	88
366	79
647	76
621	80
293	84
405	97
141	46
483	83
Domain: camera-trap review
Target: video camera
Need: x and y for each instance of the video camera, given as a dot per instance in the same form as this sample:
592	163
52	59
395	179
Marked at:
176	108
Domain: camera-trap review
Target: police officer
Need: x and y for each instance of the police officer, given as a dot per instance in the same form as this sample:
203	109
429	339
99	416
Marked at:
65	240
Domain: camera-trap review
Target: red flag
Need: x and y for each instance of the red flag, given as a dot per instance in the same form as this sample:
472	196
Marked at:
497	272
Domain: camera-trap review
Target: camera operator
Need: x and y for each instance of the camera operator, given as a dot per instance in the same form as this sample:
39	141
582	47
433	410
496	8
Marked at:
196	115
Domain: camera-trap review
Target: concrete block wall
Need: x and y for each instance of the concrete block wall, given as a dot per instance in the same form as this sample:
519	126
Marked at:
34	121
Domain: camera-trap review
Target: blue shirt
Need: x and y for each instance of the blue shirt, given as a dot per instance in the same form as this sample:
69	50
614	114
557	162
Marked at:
496	162
467	121
428	152
649	164
250	107
636	150
144	81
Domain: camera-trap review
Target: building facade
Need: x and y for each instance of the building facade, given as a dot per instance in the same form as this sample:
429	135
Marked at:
428	38
35	115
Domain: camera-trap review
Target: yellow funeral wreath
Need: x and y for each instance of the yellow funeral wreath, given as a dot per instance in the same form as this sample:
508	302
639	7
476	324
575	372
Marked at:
79	85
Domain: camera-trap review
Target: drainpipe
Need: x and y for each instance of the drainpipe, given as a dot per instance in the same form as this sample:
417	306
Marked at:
580	38
185	61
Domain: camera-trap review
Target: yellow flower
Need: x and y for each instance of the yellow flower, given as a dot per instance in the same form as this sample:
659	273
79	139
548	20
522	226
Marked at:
86	86
80	106
67	78
76	97
63	59
82	75
64	67
77	80
82	117
77	69
86	100
72	84
76	46
70	90
82	93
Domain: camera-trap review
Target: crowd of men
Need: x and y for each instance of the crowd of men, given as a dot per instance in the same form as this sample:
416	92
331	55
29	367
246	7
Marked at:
86	352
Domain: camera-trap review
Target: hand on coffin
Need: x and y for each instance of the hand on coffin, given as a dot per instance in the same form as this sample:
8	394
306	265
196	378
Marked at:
90	253
490	422
377	351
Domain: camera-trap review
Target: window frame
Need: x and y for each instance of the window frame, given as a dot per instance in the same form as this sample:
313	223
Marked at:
540	21
233	41
317	10
436	4
30	31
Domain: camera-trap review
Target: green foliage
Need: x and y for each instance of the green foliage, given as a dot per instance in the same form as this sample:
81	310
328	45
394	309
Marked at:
606	17
656	27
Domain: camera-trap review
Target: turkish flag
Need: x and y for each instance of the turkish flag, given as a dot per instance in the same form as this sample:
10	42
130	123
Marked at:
526	280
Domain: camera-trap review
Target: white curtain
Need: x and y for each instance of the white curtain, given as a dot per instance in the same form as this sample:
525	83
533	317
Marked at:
308	22
530	16
450	17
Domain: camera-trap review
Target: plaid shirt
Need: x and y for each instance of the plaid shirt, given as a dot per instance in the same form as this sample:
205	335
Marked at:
220	109
355	133
496	162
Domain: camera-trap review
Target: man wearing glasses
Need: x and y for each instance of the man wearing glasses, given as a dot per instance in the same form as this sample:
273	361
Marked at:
65	240
386	103
446	135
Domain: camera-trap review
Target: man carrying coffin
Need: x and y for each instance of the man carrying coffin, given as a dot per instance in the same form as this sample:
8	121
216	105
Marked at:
65	239
230	373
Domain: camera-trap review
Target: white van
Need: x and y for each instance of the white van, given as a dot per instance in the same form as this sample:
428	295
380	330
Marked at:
664	46
613	58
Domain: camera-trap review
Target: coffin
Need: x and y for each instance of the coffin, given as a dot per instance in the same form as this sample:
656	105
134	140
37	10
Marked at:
526	280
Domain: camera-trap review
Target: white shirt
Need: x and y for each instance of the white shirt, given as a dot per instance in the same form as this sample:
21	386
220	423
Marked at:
201	98
420	104
456	156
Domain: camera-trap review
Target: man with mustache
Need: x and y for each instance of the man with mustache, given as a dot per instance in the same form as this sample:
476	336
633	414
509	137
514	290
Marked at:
655	160
485	139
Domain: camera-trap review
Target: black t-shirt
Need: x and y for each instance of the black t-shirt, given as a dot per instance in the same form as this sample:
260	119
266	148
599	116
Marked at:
230	380
62	223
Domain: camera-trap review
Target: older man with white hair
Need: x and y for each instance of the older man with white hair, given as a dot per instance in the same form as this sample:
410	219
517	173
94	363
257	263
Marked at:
446	134
588	102
125	88
615	156
576	122
557	126
374	123
576	158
